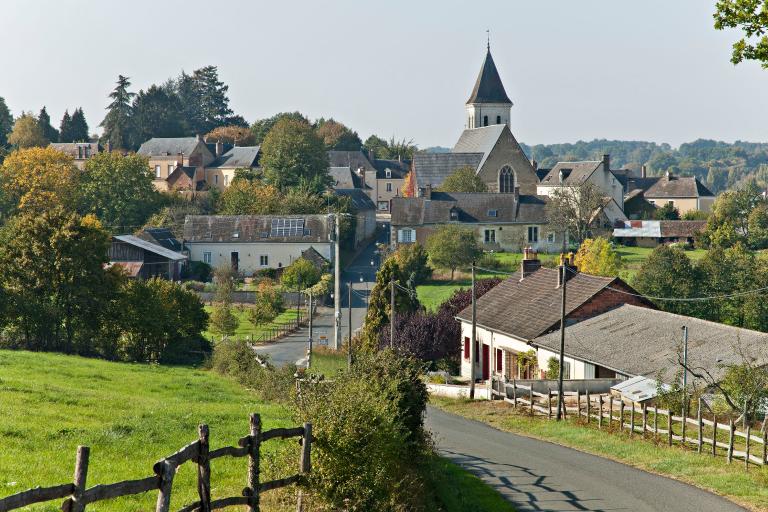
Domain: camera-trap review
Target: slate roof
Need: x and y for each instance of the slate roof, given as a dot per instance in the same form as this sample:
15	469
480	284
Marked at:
434	168
351	159
161	236
149	246
342	178
472	207
360	200
479	140
640	341
398	168
488	87
677	186
531	307
239	157
574	173
162	146
71	148
251	229
314	257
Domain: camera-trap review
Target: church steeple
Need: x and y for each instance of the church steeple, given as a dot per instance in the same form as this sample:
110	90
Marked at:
488	104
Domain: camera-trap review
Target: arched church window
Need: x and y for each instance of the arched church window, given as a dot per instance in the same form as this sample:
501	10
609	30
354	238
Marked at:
506	180
485	120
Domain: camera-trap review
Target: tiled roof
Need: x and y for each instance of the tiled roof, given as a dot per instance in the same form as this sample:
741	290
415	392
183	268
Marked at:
434	168
252	228
471	207
574	173
531	307
360	200
479	140
488	87
161	146
642	341
239	157
71	148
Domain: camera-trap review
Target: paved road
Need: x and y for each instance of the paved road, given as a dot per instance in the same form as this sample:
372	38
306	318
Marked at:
537	475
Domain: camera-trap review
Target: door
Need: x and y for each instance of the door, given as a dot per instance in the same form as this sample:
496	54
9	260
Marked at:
486	361
235	261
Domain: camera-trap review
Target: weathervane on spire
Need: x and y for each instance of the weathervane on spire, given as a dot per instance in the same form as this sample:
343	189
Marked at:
488	35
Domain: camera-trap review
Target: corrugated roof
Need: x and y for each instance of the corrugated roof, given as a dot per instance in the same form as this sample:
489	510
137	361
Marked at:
161	146
252	229
149	246
642	341
488	86
161	236
239	157
434	168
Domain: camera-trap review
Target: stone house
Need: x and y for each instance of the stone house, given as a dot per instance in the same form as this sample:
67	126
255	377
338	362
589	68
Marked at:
380	179
501	222
81	152
686	193
182	155
220	173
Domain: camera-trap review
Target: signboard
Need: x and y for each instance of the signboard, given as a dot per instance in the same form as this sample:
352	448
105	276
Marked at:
323	340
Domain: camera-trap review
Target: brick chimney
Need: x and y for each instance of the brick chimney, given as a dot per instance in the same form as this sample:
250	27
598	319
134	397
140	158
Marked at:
606	163
371	155
644	171
219	148
530	262
567	263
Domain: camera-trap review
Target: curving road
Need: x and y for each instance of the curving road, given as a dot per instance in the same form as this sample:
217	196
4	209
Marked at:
536	475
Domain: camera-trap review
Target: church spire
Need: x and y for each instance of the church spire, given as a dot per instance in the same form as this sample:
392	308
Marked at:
488	87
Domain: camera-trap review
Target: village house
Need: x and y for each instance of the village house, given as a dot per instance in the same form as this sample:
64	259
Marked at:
686	193
365	214
525	307
220	173
81	152
380	179
144	259
501	222
177	163
250	243
651	233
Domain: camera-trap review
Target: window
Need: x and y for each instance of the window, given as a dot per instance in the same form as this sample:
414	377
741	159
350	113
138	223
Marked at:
671	203
466	348
493	213
566	369
216	179
207	258
506	180
498	119
383	206
485	120
389	187
388	173
170	169
80	152
533	233
499	360
264	260
287	227
550	238
490	236
406	235
454	214
87	151
157	172
652	201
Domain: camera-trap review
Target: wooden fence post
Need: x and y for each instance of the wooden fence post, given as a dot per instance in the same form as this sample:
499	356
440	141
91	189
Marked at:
549	404
610	410
530	397
765	446
589	409
599	411
621	415
304	461
685	423
632	420
167	472
578	405
74	504
714	435
669	427
655	421
254	448
204	470
699	426
645	418
730	441
746	455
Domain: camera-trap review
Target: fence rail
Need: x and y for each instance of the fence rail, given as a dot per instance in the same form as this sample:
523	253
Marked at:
78	496
612	412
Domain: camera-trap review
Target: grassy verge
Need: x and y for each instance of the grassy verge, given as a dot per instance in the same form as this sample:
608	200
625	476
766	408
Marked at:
130	415
749	488
457	490
246	329
327	362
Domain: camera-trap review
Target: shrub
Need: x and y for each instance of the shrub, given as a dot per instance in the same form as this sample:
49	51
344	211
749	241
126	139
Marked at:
553	368
197	270
195	286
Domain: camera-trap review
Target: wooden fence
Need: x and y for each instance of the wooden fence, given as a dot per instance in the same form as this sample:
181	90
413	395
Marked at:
614	413
78	496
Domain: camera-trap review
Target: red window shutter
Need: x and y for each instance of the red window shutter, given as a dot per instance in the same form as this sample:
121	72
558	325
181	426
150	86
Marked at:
499	355
466	348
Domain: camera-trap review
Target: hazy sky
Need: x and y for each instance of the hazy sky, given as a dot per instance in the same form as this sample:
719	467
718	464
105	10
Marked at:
618	69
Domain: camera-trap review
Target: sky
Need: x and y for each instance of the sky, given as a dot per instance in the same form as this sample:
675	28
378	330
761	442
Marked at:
653	70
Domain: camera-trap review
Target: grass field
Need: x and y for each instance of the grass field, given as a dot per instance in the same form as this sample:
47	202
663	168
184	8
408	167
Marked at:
130	415
749	488
246	329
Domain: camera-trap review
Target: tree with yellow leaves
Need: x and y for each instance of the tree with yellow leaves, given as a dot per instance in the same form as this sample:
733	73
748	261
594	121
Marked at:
597	257
408	189
27	133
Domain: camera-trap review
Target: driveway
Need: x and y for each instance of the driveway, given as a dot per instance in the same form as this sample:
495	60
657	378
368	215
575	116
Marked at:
536	475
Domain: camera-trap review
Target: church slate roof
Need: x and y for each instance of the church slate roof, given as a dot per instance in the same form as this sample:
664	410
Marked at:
479	140
433	168
488	87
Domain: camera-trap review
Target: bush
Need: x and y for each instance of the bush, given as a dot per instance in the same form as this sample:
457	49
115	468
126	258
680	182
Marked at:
197	270
195	286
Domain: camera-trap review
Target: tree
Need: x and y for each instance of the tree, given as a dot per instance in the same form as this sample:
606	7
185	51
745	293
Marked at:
79	127
413	262
667	212
118	190
300	274
572	209
728	223
463	179
668	272
6	123
336	136
292	155
156	113
695	215
751	17
223	320
50	133
204	98
65	128
244	197
409	186
722	272
36	179
597	257
262	127
117	122
391	149
27	133
269	304
237	135
452	246
757	224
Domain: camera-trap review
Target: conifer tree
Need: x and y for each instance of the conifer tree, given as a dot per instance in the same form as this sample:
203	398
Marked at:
79	126
65	128
44	121
205	101
6	123
117	122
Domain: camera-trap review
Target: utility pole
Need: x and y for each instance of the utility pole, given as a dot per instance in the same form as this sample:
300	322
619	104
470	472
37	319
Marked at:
563	280
685	370
309	349
473	341
392	311
336	284
349	308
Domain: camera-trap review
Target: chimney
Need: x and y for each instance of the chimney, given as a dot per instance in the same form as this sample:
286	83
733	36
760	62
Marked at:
567	265
530	262
200	138
219	148
535	165
428	191
517	192
371	156
606	162
644	171
361	173
668	175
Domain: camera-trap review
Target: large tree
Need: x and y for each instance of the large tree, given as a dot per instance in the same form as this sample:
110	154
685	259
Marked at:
6	122
157	112
65	128
463	179
244	197
292	154
27	133
118	189
204	98
44	121
262	127
452	246
336	136
300	275
117	123
751	16
669	273
572	209
729	223
597	257
79	127
238	135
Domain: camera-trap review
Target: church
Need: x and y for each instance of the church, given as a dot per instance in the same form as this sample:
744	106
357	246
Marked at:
486	145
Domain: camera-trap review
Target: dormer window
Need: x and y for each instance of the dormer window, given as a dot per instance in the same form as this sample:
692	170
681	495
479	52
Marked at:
493	213
388	173
454	214
235	235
